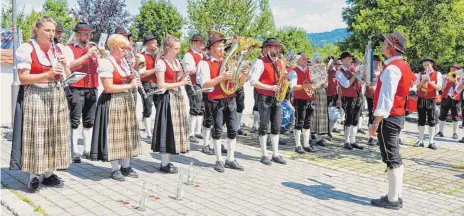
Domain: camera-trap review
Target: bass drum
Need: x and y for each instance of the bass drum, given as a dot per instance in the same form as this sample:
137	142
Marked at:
287	117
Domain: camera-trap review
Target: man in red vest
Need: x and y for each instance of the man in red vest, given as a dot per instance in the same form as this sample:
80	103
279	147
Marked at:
148	79
378	66
58	33
429	82
451	96
332	94
83	102
300	79
351	98
389	101
190	61
223	106
264	77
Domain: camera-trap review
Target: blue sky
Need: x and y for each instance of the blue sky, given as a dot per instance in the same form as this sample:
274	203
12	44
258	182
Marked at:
311	15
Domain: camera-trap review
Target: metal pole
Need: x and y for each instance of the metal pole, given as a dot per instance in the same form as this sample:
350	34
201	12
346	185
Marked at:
15	84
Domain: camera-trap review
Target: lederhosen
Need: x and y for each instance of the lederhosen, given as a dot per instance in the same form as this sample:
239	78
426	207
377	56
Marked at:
426	103
240	97
41	131
388	132
304	107
83	102
116	132
450	102
171	125
223	107
149	84
194	91
351	100
207	114
268	106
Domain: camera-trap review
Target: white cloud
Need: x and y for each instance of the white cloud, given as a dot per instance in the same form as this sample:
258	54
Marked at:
28	8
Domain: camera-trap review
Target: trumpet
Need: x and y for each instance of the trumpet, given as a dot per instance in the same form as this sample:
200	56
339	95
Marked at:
460	86
102	53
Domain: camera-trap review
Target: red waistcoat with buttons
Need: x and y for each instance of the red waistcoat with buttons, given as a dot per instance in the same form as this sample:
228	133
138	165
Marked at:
353	89
269	75
150	64
36	67
170	76
197	58
448	85
217	93
332	87
407	77
89	66
302	76
431	92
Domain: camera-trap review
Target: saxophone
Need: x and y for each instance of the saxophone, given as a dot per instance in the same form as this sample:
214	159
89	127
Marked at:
283	82
243	46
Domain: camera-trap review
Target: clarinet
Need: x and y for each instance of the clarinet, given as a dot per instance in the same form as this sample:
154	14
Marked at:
66	87
189	82
136	73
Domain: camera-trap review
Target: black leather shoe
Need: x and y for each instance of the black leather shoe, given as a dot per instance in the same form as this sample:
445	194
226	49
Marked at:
313	137
348	146
77	160
234	165
384	203
371	142
439	134
193	139
401	142
241	133
33	184
129	172
461	140
419	144
199	136
207	150
254	130
330	137
455	136
432	146
53	181
309	149
361	131
170	168
335	130
320	143
223	149
357	146
86	155
266	160
279	159
117	175
219	166
299	150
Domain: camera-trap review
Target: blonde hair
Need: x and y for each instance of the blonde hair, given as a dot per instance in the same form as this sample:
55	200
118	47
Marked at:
39	23
169	41
117	40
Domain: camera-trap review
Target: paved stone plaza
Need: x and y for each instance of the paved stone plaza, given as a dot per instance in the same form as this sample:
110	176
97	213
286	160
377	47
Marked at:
332	181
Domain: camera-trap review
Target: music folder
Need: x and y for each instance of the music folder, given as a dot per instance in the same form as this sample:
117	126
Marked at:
75	77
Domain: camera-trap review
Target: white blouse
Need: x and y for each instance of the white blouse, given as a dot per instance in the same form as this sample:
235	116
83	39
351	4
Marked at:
106	68
24	58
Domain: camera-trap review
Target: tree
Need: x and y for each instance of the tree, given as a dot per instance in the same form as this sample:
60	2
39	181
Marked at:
239	17
293	38
58	10
159	18
103	16
328	50
433	27
23	22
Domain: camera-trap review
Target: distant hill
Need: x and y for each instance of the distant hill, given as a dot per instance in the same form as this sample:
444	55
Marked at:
334	36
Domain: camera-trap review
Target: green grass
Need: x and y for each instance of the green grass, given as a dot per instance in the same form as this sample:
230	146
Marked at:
25	199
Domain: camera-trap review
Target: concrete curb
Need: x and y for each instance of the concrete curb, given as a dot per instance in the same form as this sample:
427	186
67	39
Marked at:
16	205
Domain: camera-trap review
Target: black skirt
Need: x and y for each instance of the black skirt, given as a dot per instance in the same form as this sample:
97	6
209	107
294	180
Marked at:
17	142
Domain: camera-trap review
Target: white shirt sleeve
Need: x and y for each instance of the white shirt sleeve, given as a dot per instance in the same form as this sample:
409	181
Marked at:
293	77
105	68
203	73
67	53
257	69
23	56
439	79
189	63
342	80
390	79
160	66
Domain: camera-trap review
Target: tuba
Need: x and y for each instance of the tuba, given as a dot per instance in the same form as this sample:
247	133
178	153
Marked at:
236	60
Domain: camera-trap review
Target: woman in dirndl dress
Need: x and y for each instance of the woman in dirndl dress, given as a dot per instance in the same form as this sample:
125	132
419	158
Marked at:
319	125
41	132
116	132
170	135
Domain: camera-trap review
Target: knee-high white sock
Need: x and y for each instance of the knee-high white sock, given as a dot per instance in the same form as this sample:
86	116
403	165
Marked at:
75	139
347	133
48	174
114	165
431	134
441	125
306	137
217	149
297	134
125	162
354	131
206	133
262	143
256	119
148	129
421	133
165	159
360	122
275	144
193	121
455	127
331	125
369	126
239	120
199	123
394	178
318	137
231	149
400	180
87	134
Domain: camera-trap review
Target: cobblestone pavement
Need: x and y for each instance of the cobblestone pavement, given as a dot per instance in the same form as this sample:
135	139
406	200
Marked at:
332	181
